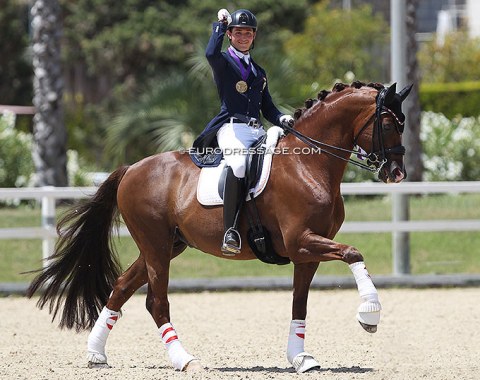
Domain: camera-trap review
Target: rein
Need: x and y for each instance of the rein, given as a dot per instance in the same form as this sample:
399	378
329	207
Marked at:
375	160
318	144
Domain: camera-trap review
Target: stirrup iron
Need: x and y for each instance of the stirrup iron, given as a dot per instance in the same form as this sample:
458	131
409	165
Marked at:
229	249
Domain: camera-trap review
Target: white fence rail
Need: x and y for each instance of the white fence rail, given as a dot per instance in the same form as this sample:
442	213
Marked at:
48	196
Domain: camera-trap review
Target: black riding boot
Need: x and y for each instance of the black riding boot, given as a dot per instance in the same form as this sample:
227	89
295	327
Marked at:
233	196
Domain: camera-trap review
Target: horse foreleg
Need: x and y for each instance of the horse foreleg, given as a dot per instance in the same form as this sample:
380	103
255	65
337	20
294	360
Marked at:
369	310
296	355
125	286
323	249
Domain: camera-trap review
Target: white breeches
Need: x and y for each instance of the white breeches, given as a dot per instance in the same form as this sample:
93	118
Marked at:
234	139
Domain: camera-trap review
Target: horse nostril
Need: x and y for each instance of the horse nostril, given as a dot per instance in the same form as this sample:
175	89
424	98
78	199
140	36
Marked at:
398	174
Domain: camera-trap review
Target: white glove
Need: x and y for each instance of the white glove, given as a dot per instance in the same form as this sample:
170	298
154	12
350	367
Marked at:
287	121
224	16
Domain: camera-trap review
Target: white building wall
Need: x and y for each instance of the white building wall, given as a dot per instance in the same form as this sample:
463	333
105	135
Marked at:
473	14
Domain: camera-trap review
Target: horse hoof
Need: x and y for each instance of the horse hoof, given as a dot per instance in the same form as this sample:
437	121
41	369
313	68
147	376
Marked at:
98	365
369	316
304	362
368	328
194	366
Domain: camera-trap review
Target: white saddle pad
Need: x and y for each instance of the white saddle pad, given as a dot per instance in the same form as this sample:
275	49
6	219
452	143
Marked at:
207	187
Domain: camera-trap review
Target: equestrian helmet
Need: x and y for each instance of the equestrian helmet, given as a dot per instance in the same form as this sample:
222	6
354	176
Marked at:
243	18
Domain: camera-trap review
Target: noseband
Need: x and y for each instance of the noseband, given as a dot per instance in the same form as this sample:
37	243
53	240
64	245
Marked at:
376	159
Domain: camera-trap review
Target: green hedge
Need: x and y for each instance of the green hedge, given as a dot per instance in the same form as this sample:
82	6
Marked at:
451	99
16	163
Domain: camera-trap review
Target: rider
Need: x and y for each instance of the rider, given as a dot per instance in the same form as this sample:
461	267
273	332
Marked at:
243	90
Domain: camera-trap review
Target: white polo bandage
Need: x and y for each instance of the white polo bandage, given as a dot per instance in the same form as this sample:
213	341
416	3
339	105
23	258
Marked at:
97	339
177	354
366	289
296	339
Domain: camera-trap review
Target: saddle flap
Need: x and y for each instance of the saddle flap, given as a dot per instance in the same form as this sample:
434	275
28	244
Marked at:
210	187
255	162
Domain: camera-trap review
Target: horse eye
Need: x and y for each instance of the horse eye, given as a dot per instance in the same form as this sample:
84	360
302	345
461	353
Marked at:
388	126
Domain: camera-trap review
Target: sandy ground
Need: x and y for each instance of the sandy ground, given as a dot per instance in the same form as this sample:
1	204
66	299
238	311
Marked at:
424	334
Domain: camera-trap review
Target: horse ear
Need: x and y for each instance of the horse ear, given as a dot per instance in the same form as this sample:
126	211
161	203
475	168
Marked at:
404	93
390	95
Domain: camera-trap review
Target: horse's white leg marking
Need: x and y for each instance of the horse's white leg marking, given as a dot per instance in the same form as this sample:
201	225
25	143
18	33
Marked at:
369	309
97	339
296	355
178	356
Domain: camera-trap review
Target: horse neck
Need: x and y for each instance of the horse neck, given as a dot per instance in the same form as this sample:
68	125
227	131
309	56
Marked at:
333	123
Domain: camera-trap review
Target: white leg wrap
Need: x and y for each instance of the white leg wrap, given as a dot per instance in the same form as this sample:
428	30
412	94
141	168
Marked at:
369	310
97	339
296	355
178	356
296	339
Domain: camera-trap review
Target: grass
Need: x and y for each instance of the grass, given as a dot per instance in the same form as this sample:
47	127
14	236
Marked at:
431	252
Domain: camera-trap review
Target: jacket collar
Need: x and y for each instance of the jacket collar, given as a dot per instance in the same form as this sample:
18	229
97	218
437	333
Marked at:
235	65
239	54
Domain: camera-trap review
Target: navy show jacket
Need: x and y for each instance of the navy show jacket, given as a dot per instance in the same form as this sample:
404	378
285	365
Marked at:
227	74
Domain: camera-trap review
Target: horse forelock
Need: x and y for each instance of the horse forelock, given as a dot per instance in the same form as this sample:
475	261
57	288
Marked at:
326	96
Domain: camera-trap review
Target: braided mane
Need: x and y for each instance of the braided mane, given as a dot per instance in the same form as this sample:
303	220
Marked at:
338	87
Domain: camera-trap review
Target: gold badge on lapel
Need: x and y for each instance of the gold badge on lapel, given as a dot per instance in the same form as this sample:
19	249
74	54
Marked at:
241	86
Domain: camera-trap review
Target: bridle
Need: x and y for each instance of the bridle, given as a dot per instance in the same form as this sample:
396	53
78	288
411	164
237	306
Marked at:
376	159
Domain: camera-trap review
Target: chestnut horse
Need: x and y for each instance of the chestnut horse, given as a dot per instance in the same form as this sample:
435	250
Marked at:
301	207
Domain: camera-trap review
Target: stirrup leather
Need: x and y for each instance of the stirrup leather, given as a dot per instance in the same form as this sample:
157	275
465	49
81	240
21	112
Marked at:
229	249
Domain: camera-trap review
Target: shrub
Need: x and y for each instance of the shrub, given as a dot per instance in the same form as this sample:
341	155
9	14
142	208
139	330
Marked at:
451	147
16	163
451	150
77	176
452	99
450	74
456	60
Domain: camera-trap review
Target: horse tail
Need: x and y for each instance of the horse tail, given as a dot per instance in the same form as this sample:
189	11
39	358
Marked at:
84	267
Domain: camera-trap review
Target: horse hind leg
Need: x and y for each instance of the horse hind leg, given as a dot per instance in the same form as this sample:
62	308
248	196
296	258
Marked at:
125	286
158	266
179	357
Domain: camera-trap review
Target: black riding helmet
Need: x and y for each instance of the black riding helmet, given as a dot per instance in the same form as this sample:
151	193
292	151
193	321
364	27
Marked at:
243	18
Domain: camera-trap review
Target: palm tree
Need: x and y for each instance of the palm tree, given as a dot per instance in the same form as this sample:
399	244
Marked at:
167	115
50	138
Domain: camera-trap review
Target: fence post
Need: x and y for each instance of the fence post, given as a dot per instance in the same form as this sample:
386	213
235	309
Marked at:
48	223
400	239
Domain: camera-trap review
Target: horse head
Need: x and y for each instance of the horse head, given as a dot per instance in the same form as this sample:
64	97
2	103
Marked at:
386	151
372	113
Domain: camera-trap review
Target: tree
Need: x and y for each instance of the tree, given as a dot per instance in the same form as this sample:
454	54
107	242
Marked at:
413	144
113	54
50	138
107	45
335	42
455	61
15	70
166	115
